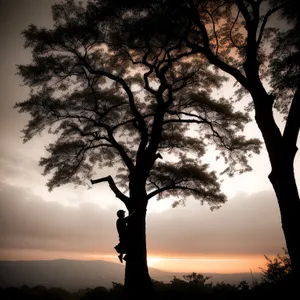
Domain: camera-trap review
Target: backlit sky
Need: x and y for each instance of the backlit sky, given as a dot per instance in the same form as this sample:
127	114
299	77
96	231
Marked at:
80	223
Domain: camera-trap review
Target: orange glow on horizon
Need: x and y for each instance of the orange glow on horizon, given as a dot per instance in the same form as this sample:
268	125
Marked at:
221	263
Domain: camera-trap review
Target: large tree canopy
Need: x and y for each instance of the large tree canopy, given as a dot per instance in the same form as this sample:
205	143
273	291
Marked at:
140	109
113	107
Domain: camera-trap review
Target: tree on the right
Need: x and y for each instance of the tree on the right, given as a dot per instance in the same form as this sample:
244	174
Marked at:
257	43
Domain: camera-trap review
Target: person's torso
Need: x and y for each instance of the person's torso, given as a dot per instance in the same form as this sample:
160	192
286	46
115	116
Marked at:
121	227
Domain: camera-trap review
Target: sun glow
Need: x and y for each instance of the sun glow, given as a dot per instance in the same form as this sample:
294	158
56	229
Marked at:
153	261
220	264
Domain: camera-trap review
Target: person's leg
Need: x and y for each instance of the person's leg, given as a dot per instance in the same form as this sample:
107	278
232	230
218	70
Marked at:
121	257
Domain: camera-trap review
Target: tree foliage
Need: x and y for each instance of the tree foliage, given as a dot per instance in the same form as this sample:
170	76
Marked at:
277	269
119	106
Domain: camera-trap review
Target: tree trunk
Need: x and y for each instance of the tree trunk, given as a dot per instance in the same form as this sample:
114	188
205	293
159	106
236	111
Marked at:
281	152
283	180
138	284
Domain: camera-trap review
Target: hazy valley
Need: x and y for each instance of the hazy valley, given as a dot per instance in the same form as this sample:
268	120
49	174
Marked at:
73	275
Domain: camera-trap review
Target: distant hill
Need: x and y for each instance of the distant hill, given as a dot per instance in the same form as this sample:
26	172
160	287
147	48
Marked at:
73	275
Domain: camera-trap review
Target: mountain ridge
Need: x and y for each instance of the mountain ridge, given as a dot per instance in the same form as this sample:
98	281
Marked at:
73	275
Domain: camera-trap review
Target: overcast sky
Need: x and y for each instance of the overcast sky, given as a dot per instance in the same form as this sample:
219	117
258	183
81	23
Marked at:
80	223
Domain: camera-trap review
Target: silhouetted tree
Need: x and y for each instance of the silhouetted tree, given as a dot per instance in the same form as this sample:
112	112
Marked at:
243	286
96	293
198	279
278	269
115	106
235	36
276	278
116	291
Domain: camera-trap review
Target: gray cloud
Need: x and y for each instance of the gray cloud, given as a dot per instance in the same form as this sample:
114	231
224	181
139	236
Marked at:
20	164
28	222
245	225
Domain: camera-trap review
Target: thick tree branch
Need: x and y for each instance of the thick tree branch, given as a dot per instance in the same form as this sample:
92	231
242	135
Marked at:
190	121
264	22
291	130
212	58
113	187
160	190
242	7
200	191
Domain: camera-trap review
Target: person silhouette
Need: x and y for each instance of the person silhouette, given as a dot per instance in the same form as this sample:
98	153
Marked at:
122	229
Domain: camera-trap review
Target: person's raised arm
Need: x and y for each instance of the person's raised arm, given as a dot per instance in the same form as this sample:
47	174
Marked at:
129	216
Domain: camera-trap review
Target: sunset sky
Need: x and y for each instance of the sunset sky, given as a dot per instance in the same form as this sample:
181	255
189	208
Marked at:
80	223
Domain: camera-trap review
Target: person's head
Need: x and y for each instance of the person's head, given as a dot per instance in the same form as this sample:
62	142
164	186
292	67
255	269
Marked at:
120	213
